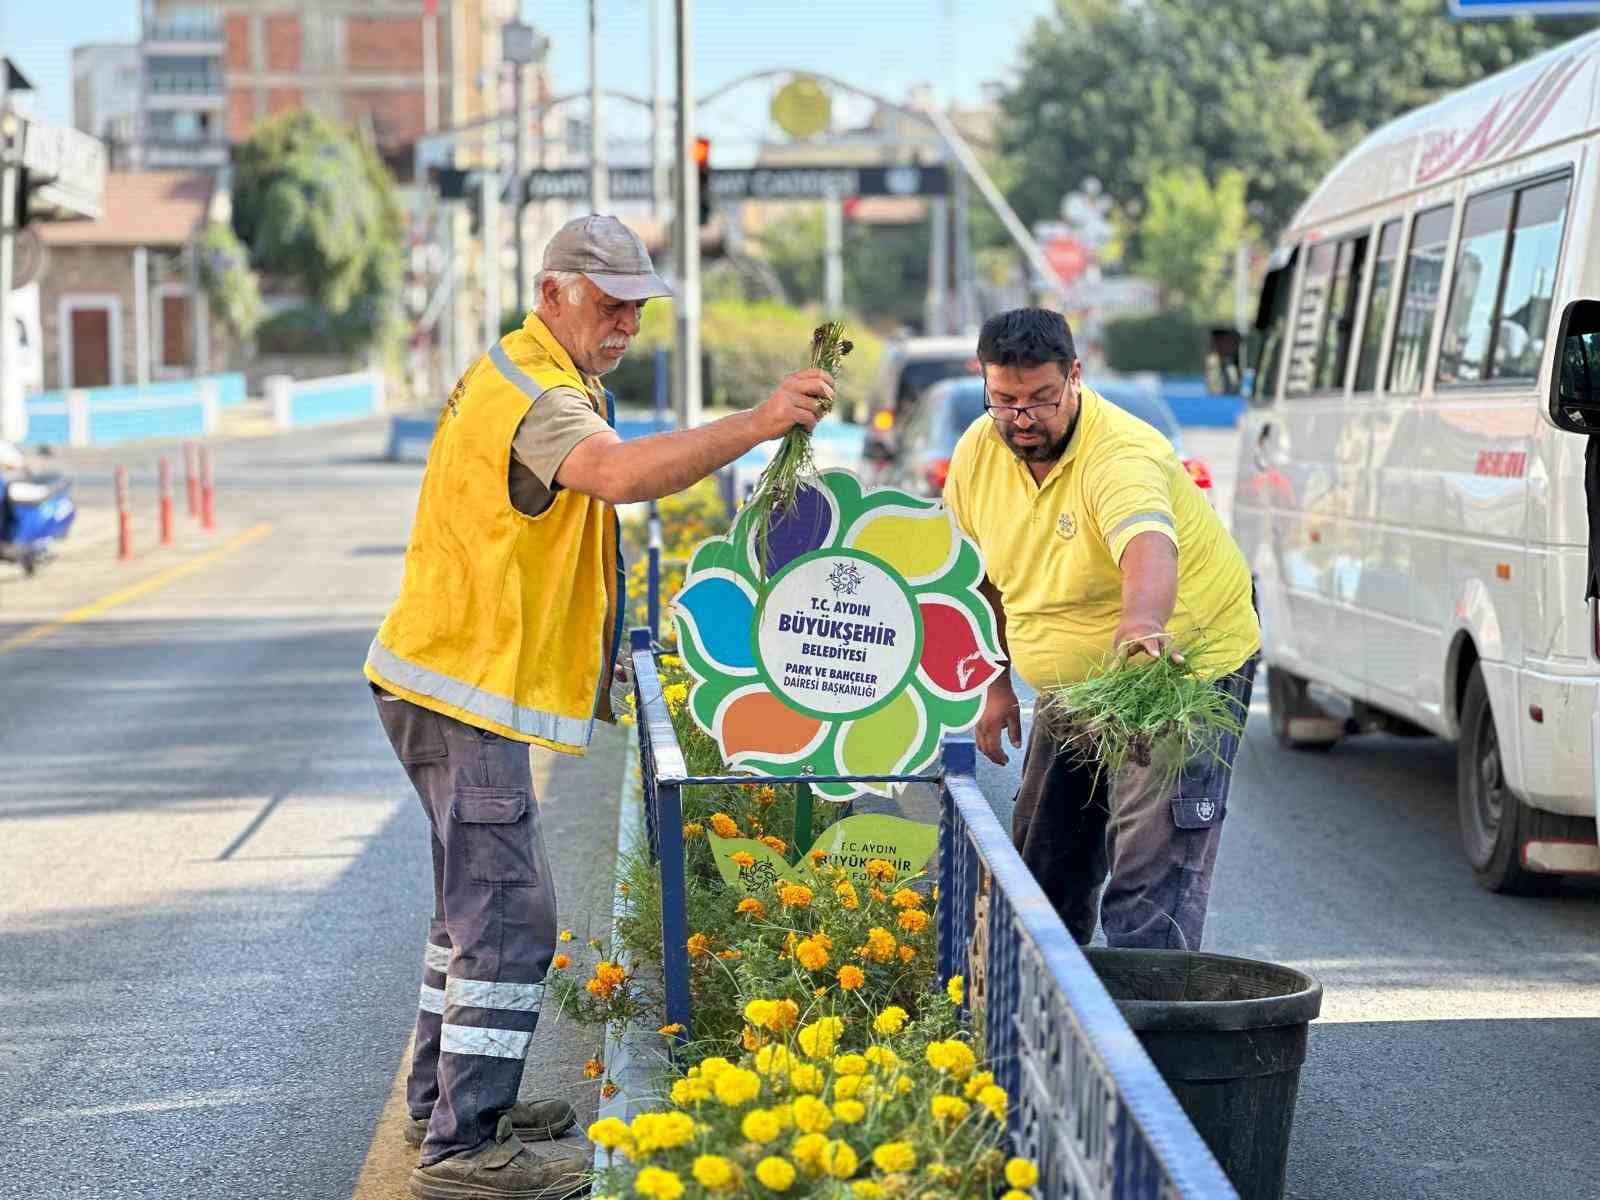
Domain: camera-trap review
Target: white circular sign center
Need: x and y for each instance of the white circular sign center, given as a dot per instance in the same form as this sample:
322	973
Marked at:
837	635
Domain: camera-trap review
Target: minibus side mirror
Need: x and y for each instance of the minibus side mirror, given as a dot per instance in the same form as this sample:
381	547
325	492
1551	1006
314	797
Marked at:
1575	374
1224	373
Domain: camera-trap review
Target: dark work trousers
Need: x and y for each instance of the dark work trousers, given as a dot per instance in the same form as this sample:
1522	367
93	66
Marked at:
494	923
1156	831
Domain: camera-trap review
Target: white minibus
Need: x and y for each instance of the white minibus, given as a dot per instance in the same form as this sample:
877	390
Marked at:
1411	488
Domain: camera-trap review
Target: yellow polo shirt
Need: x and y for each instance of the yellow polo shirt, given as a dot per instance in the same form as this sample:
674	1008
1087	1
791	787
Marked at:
1053	548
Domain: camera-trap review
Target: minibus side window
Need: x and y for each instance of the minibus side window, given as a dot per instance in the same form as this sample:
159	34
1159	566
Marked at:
1334	354
1505	277
1310	316
1519	334
1378	306
1272	319
1419	298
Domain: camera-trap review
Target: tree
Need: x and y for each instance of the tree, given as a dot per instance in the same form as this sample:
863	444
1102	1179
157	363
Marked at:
314	203
1126	89
885	266
1188	236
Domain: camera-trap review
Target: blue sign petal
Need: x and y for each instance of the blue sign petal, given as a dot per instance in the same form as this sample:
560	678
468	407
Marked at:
721	613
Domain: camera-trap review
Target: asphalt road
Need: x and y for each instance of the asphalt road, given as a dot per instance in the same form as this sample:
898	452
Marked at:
216	875
1458	1052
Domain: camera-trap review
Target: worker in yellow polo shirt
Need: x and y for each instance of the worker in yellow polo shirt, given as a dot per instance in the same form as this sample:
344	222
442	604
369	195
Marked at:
1097	544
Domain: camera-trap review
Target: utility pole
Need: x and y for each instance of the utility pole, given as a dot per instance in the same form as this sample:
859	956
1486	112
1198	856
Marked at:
598	200
832	255
12	412
489	222
687	305
935	321
519	45
658	106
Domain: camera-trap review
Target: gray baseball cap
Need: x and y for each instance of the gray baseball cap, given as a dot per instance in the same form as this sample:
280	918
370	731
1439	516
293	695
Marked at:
610	254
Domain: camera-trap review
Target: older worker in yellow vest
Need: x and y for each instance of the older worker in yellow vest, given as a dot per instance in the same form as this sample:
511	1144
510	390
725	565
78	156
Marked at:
505	634
1097	543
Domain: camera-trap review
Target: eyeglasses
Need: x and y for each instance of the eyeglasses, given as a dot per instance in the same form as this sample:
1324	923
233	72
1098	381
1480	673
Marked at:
1006	414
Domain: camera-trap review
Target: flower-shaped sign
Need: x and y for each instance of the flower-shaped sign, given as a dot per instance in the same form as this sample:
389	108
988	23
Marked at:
862	642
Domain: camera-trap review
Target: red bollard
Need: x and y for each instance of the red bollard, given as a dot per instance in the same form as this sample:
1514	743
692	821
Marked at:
166	501
208	516
191	471
124	517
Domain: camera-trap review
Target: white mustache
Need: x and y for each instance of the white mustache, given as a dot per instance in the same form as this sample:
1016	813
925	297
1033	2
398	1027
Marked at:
616	344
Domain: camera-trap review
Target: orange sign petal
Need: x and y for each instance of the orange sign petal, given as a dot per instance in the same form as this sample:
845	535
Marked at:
760	722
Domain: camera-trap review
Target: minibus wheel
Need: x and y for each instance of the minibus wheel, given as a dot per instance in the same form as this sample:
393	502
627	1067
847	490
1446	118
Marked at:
1297	723
1494	820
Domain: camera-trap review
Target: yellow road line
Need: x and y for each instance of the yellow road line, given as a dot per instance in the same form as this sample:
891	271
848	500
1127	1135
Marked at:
389	1160
133	591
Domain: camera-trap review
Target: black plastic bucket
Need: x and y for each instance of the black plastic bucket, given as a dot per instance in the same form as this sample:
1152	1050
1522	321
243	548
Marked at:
1228	1035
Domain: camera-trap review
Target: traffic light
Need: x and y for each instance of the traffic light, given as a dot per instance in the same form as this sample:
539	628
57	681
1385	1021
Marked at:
702	163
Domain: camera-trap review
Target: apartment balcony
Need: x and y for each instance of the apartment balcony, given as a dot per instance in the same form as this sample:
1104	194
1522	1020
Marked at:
157	152
183	93
192	34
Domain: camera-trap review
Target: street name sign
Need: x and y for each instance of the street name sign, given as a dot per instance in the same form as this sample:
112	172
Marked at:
816	182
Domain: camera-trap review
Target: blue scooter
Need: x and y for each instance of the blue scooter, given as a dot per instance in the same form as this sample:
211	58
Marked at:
36	510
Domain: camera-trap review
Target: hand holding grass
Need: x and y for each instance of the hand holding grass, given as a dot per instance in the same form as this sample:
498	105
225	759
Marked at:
799	399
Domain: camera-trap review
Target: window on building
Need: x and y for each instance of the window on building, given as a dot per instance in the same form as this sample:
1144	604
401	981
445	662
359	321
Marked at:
1505	276
1419	298
1383	273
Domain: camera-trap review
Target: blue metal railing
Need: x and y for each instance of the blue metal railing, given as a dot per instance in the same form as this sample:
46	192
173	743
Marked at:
1087	1103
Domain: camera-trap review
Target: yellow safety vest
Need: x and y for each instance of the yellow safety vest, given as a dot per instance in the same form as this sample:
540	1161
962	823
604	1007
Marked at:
507	622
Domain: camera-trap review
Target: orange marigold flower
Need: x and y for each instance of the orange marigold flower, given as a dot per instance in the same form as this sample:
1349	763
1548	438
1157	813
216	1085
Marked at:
776	844
723	825
669	1030
906	898
794	895
877	894
699	945
743	858
846	891
907	954
819	857
811	954
851	977
752	908
560	962
765	796
751	1040
880	868
607	1090
730	953
880	945
913	920
593	1069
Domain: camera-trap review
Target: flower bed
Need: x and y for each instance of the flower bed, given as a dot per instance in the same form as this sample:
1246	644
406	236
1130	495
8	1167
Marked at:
827	1058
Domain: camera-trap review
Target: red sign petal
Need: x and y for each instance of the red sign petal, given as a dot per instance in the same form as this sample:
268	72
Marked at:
951	656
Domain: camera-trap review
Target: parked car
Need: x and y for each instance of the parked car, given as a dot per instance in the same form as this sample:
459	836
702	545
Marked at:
929	434
909	368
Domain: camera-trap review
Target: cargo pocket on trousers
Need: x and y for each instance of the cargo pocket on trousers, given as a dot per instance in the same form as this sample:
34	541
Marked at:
1202	792
496	835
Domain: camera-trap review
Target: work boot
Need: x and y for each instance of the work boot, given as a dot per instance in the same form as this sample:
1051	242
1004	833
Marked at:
535	1120
502	1169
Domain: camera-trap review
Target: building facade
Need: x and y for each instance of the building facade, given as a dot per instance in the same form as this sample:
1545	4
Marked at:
105	96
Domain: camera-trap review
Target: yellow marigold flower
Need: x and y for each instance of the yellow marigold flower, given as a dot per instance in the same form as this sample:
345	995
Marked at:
788	944
670	1030
906	898
565	935
699	946
849	1111
670	660
689	1092
1013	1194
902	1084
723	825
847	894
736	1086
693	829
714	1066
752	908
713	1171
560	962
882	1057
761	1125
593	1069
956	989
742	858
817	1039
952	1058
866	1188
610	1133
895	1156
777	1016
907	954
765	795
658	1184
810	1150
805	1078
794	895
880	945
849	1087
775	1174
811	1115
1021	1173
949	1108
775	843
994	1099
880	868
913	920
849	1064
841	1161
773	1060
977	1083
890	1021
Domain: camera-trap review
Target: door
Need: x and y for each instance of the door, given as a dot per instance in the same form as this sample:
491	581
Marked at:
91	347
175	331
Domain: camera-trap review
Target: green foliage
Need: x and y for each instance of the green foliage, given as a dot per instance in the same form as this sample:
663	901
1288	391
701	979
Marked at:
232	288
310	330
1128	89
885	266
1169	342
1188	236
315	204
